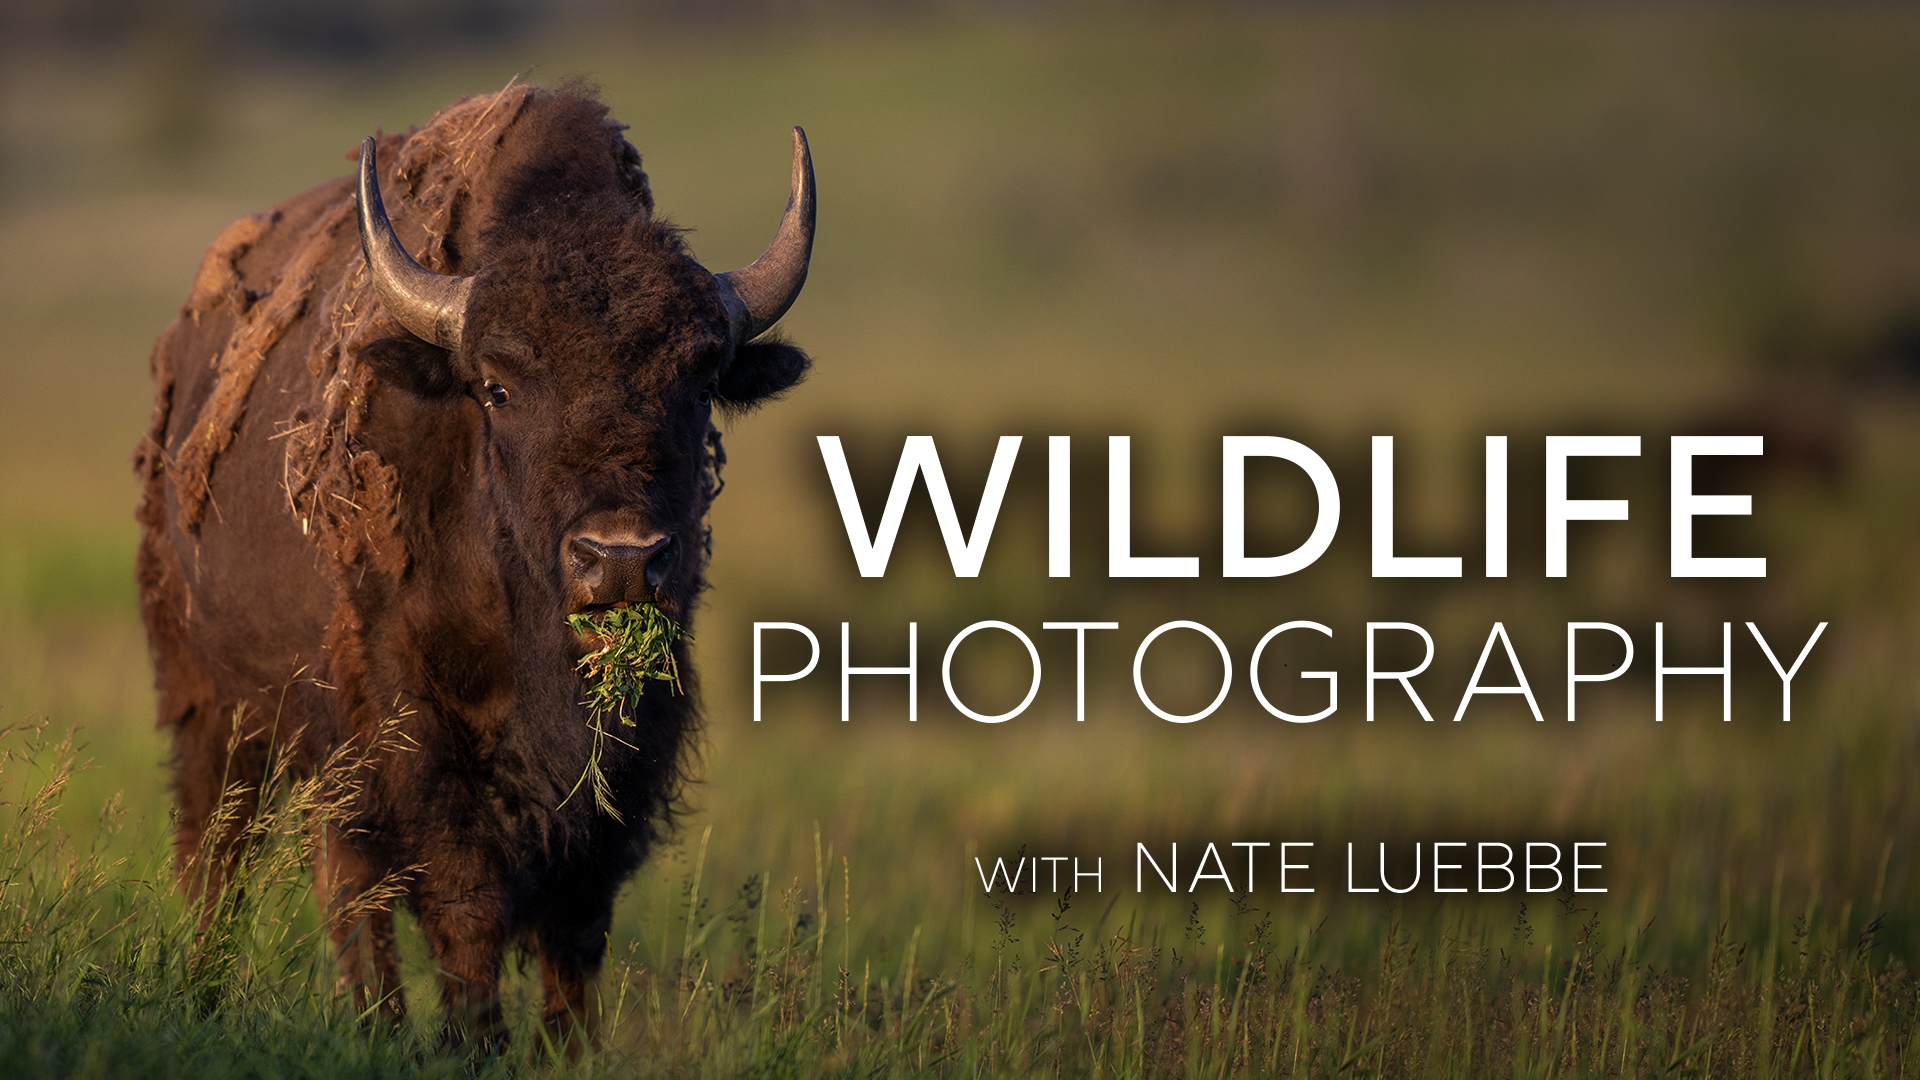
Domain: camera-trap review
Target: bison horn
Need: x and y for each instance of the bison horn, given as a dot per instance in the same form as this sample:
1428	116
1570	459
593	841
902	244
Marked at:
431	306
758	295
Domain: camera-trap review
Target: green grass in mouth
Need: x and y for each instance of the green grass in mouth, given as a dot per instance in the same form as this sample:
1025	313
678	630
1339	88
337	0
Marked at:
636	648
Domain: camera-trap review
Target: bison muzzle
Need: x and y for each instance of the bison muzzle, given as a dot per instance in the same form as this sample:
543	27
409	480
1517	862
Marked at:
389	457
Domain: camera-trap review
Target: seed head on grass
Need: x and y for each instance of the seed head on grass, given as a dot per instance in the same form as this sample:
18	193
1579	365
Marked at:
636	648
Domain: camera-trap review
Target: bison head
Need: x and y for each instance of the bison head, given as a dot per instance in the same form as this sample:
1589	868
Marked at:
592	349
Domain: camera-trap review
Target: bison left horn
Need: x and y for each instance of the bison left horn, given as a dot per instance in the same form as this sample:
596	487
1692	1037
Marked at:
433	307
757	295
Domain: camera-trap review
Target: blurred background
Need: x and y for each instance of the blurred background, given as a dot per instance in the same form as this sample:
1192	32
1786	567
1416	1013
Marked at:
1170	222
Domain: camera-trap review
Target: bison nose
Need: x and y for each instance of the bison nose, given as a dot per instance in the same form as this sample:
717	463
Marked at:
615	572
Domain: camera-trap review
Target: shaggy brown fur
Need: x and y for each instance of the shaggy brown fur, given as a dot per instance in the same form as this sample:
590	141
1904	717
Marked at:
337	529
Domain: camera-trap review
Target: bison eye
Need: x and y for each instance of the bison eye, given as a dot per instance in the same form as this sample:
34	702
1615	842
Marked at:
706	397
497	395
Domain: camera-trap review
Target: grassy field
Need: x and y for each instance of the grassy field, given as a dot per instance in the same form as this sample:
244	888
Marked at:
1328	225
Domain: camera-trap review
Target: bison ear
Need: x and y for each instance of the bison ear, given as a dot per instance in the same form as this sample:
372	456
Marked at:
419	368
761	370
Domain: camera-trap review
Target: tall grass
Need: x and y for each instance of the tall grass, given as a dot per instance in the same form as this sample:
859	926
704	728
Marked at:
105	970
1450	992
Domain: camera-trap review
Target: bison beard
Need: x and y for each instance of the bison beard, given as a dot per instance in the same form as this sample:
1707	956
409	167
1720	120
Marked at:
379	491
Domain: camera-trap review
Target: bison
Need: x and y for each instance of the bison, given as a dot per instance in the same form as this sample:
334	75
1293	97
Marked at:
375	489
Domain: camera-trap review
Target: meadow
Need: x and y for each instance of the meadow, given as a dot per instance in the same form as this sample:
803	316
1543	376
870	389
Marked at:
1439	224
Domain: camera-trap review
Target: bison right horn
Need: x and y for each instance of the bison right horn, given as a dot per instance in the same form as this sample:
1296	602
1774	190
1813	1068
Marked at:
433	307
757	295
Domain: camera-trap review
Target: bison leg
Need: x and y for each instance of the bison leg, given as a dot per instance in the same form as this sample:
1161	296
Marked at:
363	940
218	767
468	935
570	952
